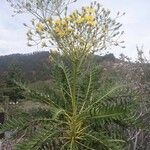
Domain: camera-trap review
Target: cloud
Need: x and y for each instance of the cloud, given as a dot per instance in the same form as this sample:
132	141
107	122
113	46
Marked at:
136	25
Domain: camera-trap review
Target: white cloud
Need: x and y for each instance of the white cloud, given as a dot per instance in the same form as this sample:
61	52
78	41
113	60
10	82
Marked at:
136	24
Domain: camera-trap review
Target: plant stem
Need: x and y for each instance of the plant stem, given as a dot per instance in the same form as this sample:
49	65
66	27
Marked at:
74	98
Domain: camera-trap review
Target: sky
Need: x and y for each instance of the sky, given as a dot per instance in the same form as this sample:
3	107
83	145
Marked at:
136	24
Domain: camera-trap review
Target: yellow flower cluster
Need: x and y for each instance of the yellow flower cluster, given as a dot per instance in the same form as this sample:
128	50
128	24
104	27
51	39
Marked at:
88	16
61	27
89	10
90	20
65	26
40	27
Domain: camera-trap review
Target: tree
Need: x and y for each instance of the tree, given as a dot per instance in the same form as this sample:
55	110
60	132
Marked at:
11	89
80	113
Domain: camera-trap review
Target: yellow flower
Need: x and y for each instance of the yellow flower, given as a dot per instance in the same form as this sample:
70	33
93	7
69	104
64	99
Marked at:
89	10
70	30
61	33
57	29
64	24
69	18
61	23
40	27
57	22
89	18
91	23
80	20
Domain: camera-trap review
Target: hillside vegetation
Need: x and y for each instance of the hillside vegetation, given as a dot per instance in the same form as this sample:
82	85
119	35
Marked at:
37	66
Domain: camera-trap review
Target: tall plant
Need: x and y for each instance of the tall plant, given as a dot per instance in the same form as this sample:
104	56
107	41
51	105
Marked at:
80	113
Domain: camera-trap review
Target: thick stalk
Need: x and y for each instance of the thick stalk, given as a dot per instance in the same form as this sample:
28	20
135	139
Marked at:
74	94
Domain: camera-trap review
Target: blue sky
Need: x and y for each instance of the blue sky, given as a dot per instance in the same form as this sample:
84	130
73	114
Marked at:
136	24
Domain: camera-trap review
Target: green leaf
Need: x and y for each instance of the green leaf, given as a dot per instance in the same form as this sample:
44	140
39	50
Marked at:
38	140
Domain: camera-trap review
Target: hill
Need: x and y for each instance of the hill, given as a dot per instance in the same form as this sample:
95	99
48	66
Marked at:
36	66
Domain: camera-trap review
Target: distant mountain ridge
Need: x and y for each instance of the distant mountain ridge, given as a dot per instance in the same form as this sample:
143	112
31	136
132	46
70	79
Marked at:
36	66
